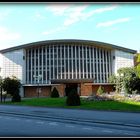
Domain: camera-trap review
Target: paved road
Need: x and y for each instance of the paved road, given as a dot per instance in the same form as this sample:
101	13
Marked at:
54	122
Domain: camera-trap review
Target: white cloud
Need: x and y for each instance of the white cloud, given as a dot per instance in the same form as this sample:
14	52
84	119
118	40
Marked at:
73	14
58	9
77	14
6	35
53	30
110	23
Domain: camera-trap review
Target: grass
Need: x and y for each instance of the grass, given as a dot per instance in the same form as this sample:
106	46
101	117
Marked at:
98	105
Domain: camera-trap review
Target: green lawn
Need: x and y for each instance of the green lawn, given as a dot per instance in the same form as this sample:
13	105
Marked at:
99	105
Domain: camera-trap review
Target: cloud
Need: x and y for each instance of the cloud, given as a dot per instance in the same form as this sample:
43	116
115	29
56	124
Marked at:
53	30
6	34
73	14
58	9
110	23
78	13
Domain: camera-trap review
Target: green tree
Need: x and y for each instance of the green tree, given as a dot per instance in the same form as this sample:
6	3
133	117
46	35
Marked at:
12	86
117	80
128	79
137	65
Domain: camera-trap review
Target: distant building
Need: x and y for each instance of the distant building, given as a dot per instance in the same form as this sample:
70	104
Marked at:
80	64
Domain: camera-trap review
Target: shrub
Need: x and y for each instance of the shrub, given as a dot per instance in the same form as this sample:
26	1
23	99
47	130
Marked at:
73	99
16	98
54	93
100	90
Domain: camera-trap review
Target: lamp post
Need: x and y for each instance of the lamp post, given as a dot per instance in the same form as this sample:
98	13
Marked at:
38	79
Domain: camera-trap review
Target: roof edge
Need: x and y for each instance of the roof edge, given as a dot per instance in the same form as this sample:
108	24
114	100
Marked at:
67	41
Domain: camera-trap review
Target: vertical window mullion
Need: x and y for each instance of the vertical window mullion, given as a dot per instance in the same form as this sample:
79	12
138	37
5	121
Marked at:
42	66
38	65
103	66
34	79
106	65
90	61
75	62
57	61
61	61
97	80
46	64
100	65
72	60
53	64
109	57
79	62
93	62
49	63
83	61
31	65
27	52
86	64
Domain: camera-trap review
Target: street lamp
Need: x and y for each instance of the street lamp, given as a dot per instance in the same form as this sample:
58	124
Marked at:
38	78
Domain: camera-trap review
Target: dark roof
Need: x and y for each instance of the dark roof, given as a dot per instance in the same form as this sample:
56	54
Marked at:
90	42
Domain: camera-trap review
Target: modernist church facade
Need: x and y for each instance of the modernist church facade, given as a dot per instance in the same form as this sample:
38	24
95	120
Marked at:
80	64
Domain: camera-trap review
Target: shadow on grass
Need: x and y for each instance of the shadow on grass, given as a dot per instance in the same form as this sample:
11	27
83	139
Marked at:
107	103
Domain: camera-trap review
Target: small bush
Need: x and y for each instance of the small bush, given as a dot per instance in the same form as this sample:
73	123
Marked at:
100	90
73	99
54	93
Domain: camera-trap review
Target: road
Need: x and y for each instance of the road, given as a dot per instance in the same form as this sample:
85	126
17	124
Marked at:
23	121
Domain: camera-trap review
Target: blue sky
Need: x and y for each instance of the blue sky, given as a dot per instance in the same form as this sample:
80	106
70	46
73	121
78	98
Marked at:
115	23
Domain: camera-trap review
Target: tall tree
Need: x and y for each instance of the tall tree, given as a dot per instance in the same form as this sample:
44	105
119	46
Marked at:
12	86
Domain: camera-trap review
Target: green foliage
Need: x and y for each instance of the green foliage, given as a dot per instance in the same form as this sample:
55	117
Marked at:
100	90
128	79
73	99
54	93
11	86
138	64
117	81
